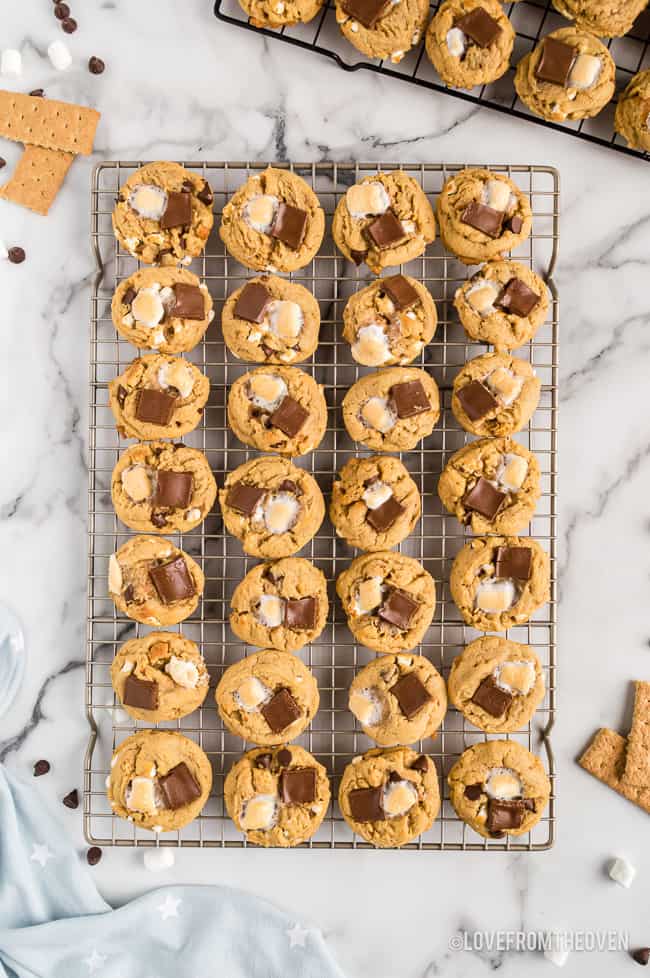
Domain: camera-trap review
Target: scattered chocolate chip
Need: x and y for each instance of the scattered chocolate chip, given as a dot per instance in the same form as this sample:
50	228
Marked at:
189	302
16	255
69	25
365	804
642	956
483	218
96	66
476	400
473	791
411	694
358	257
480	27
400	291
155	407
178	212
555	62
281	711
300	613
3	162
179	787
172	581
491	697
244	498
483	498
410	399
263	761
420	763
382	517
38	92
205	195
517	298
386	230
514	562
283	757
121	395
140	693
289	417
71	800
367	12
252	302
61	11
173	489
289	226
398	609
93	855
40	768
158	520
128	296
298	786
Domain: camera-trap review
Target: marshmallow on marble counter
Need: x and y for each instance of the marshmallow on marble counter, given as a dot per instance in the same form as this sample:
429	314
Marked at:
158	859
59	55
12	62
556	952
622	872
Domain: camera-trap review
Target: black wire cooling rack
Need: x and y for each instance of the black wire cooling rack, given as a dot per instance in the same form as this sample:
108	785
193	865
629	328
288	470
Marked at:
531	20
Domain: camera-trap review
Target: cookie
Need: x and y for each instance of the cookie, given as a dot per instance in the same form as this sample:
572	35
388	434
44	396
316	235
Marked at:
278	409
632	118
389	797
154	582
496	684
495	394
503	304
270	320
637	757
499	582
392	410
268	698
165	309
158	396
388	599
375	503
398	699
482	215
469	42
159	780
390	321
281	603
161	676
163	214
162	487
499	788
605	760
569	75
383	29
272	506
491	485
604	18
280	13
274	222
383	220
277	797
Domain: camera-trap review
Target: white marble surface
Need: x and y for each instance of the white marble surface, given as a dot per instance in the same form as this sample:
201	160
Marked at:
179	84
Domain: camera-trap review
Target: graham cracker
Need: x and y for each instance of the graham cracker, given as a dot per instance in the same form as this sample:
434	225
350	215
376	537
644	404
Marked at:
605	759
37	178
637	758
45	122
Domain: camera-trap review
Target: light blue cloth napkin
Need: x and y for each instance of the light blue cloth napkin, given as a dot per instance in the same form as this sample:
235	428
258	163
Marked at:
54	923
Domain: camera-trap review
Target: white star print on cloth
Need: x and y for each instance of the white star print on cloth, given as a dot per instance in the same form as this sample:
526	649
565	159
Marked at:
170	907
95	961
41	854
297	936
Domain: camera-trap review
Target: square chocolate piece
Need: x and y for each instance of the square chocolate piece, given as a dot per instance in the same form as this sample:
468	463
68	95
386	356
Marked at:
189	302
300	613
504	815
398	609
173	489
514	562
289	417
517	298
281	711
483	218
555	62
244	498
480	27
410	399
491	698
178	212
298	785
289	226
476	400
155	407
411	694
252	302
179	787
386	231
367	12
365	804
483	498
141	693
172	581
383	517
400	291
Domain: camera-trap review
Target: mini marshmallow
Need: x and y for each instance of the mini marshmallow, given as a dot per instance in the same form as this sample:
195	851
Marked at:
148	201
178	374
183	673
267	391
285	319
512	471
136	483
12	61
157	860
502	783
279	511
515	677
495	596
367	199
260	212
622	872
114	575
270	611
128	667
376	494
585	71
59	55
481	296
259	813
557	953
251	694
369	596
143	795
371	347
367	707
496	194
398	798
456	42
192	515
147	307
504	384
378	413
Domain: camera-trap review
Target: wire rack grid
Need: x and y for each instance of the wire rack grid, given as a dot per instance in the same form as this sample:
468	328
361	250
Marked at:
334	736
531	19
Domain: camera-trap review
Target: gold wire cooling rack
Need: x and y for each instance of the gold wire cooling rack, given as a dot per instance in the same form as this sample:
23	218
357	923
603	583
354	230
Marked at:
334	736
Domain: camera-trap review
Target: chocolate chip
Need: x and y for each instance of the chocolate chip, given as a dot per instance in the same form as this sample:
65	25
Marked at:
421	764
517	298
411	694
288	486
491	697
205	195
483	498
367	12
473	791
61	11
556	61
365	804
172	580
187	187
129	296
189	302
398	608
358	257
179	787
252	302
38	92
155	407
386	230
394	776
514	562
40	768
158	520
281	711
476	400
289	417
410	399
16	255
480	27
173	489
515	224
283	757
140	693
503	815
300	613
93	855
298	786
129	593
244	498
382	517
121	395
71	800
642	956
69	25
178	212
483	218
96	66
289	225
400	291
3	162
263	761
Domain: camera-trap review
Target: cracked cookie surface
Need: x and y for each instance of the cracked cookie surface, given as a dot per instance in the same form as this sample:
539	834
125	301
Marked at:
158	396
456	55
604	18
390	321
632	119
392	410
282	326
392	34
495	394
503	304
